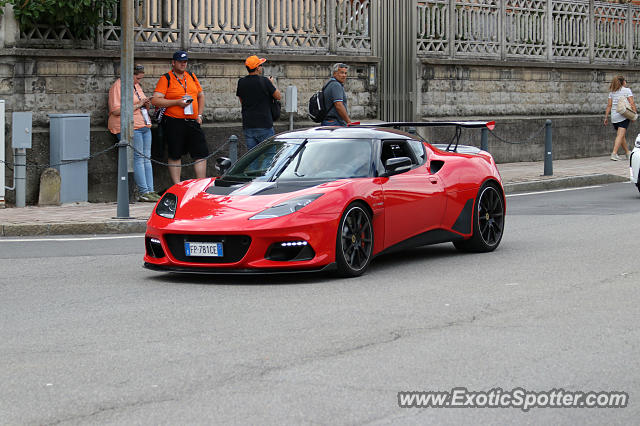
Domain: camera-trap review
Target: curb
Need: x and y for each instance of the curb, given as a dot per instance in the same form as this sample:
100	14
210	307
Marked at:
563	182
107	227
139	226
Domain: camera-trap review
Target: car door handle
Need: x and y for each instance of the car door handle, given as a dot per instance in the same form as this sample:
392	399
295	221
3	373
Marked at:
433	179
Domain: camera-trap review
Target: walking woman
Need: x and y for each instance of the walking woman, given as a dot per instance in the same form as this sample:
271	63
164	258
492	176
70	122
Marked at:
142	171
618	89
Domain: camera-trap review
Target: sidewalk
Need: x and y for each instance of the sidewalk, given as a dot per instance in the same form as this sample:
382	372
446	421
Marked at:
93	218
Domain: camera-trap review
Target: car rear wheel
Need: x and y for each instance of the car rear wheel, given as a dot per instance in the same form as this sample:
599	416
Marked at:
488	221
354	242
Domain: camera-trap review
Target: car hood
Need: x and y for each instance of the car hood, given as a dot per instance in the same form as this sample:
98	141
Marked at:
235	201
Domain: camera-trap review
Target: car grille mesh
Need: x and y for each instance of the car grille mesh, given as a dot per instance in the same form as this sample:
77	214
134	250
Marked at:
234	247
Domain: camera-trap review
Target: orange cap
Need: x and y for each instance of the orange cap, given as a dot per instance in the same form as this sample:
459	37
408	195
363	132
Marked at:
253	62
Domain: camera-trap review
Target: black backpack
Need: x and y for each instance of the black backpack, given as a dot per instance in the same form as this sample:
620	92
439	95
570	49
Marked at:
317	107
159	112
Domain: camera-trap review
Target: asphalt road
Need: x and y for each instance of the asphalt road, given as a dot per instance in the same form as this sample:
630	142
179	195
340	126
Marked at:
87	336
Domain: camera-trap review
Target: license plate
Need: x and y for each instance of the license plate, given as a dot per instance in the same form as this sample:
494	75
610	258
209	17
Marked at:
203	249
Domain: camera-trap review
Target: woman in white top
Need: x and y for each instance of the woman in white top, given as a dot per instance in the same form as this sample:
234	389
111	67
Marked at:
617	89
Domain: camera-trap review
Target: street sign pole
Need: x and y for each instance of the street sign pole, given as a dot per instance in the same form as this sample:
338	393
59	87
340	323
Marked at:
126	105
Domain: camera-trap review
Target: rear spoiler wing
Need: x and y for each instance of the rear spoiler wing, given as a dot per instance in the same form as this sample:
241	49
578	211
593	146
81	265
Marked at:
467	124
458	125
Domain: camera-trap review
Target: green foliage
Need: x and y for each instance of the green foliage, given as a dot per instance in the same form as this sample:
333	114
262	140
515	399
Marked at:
82	17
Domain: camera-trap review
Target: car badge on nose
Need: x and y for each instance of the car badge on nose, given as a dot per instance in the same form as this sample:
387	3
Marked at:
209	217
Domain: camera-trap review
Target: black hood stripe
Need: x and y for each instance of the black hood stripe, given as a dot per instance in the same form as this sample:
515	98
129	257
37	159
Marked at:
222	187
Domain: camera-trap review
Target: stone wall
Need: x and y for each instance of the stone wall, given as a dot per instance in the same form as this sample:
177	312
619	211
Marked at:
520	98
45	82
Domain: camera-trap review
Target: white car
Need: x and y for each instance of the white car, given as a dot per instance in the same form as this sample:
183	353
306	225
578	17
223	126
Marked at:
634	163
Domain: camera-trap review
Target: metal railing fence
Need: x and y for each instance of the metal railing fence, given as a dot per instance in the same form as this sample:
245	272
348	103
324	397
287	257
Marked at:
303	26
578	31
548	30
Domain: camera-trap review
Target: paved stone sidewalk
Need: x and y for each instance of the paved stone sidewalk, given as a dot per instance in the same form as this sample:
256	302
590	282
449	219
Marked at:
94	218
73	218
531	171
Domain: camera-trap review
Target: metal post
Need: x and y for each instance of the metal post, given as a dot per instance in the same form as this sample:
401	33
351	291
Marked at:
451	31
2	158
20	171
502	25
412	61
630	28
183	22
261	12
548	160
332	25
484	139
592	30
233	148
126	102
548	33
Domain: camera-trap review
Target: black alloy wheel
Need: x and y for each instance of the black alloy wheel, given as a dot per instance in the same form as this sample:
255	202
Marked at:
354	243
488	221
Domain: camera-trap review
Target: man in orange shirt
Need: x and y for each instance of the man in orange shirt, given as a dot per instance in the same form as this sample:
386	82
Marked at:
179	91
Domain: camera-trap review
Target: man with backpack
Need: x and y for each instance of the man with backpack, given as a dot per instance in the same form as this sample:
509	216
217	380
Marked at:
180	93
335	98
256	94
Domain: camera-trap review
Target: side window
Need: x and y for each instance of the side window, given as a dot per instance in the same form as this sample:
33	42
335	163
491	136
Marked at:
399	148
419	151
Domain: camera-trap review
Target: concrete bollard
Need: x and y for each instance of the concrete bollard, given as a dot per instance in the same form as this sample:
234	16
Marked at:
49	188
233	148
548	148
484	139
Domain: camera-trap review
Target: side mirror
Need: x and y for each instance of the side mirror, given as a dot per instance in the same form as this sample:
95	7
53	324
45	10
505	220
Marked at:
222	164
397	165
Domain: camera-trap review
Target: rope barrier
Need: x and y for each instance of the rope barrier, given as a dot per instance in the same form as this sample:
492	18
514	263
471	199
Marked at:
64	162
32	164
172	165
525	141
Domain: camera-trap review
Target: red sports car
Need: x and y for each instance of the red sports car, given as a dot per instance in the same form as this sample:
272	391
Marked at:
329	198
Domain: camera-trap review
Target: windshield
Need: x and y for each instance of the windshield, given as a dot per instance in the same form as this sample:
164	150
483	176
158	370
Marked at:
295	159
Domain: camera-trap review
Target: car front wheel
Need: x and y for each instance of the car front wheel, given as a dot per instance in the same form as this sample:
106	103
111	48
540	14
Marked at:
488	221
354	242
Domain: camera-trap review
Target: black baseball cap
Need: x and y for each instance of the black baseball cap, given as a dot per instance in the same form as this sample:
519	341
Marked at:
180	55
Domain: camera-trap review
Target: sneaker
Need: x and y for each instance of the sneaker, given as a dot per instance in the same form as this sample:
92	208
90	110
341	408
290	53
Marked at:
147	197
615	157
155	195
626	155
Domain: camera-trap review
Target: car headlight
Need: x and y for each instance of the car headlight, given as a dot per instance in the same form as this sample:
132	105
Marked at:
638	142
167	206
288	207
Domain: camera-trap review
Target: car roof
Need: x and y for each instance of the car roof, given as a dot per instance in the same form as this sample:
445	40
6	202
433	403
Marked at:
351	132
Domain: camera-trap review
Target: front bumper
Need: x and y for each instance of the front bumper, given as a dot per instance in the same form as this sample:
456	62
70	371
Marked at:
634	165
318	231
227	271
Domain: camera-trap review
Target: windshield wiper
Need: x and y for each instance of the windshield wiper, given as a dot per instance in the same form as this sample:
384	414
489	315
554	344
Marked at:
295	171
288	160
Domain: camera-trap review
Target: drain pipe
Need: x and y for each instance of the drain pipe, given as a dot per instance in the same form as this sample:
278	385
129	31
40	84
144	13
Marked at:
20	175
2	159
21	140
